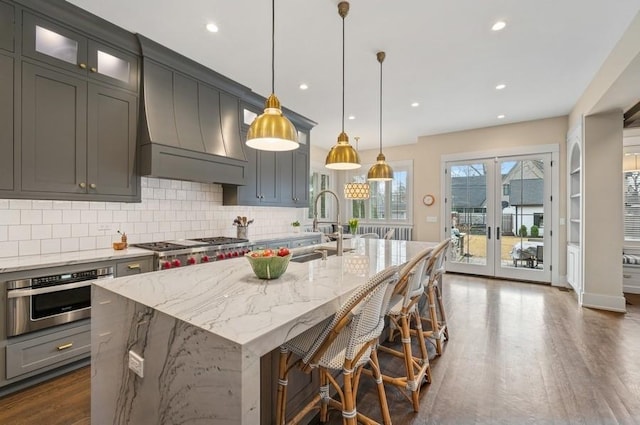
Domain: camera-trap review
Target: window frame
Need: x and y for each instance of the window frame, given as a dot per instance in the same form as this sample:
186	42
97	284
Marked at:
360	176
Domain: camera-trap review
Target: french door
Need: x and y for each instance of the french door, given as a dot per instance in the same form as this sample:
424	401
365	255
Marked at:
498	213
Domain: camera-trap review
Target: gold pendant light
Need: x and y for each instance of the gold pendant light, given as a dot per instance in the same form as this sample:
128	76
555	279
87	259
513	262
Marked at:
380	171
272	131
342	156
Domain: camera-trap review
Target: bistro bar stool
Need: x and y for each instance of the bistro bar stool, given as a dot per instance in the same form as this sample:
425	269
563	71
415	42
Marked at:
346	342
435	314
402	311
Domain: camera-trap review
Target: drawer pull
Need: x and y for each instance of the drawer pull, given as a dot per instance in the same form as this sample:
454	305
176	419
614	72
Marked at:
65	346
626	276
133	266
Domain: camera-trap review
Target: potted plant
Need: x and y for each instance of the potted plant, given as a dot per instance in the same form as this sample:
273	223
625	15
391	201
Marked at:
353	226
296	226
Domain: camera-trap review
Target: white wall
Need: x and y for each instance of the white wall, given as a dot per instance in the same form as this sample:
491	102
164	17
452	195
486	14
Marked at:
170	209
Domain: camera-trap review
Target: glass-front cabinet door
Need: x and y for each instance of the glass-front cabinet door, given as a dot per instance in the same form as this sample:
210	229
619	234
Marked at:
50	43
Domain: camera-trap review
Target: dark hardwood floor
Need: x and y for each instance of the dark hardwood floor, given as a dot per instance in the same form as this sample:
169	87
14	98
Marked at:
519	354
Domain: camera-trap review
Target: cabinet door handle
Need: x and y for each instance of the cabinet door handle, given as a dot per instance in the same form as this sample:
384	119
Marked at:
497	233
83	65
133	266
93	69
82	185
64	346
92	185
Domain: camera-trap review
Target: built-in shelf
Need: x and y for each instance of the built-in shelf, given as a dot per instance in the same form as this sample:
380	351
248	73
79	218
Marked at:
576	195
575	220
575	170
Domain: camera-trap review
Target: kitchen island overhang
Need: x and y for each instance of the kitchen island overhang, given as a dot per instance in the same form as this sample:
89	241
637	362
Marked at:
203	329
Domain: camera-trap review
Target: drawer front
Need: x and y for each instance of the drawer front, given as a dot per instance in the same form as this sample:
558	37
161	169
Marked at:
48	351
137	266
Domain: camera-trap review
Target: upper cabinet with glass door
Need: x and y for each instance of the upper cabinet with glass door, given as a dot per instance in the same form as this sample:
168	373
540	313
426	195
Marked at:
54	44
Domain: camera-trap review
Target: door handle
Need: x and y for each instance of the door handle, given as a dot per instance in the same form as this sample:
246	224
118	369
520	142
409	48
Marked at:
497	233
489	232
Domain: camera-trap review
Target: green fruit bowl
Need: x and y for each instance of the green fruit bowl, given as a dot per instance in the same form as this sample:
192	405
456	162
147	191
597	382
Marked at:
271	267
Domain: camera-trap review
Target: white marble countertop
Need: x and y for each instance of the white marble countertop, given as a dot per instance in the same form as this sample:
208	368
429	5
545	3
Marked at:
227	299
31	262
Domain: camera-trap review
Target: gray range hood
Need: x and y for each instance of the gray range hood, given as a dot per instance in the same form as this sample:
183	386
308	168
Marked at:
191	120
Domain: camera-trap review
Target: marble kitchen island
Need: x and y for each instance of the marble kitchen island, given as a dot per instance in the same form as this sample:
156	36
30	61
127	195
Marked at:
203	329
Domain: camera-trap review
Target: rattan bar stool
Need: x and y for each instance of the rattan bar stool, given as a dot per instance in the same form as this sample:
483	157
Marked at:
346	342
402	312
432	311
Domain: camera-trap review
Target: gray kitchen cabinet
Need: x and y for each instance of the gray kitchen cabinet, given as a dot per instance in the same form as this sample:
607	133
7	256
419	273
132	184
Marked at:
78	138
6	121
7	25
135	266
56	45
262	178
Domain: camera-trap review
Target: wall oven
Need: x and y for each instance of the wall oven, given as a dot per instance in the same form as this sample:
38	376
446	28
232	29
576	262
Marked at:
47	301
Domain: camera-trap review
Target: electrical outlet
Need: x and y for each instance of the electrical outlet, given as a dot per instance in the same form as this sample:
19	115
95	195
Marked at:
432	219
104	227
136	364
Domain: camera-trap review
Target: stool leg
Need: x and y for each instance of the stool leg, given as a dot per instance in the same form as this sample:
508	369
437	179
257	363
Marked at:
433	315
349	416
281	403
405	333
443	314
382	396
423	345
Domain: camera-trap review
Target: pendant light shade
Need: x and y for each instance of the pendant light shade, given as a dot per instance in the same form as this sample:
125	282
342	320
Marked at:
272	131
343	156
380	171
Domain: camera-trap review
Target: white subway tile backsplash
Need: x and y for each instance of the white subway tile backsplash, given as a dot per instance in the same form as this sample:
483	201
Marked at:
61	205
70	216
20	204
169	209
9	249
89	216
41	231
19	232
31	217
79	230
69	244
51	217
105	216
42	205
50	246
88	242
9	217
29	247
61	231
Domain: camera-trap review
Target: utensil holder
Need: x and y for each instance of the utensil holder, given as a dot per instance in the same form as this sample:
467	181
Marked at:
243	232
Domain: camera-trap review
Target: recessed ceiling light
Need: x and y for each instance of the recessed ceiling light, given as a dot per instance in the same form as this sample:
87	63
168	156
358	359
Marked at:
415	104
303	86
352	117
500	86
212	27
499	26
501	116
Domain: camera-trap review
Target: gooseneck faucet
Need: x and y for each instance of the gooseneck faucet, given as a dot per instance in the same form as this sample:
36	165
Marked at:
315	217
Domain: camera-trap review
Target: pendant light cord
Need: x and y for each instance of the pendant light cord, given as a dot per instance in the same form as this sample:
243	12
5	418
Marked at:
380	106
273	45
343	74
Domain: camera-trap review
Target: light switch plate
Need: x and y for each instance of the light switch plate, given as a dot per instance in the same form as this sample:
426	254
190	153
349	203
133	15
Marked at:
136	363
432	219
104	227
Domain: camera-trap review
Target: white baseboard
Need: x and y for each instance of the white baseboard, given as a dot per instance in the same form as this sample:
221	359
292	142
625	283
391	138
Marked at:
604	302
631	289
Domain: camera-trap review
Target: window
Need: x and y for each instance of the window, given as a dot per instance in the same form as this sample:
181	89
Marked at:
319	181
631	208
538	219
389	201
506	189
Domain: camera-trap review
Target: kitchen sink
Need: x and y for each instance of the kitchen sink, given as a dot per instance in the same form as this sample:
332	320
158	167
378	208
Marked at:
303	257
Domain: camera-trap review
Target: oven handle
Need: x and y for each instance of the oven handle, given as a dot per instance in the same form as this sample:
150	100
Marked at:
19	293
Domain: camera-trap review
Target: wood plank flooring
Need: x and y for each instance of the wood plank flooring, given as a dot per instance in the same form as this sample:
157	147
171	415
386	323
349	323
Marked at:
519	354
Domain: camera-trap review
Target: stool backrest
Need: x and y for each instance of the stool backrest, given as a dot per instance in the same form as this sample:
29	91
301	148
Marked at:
435	266
362	315
412	276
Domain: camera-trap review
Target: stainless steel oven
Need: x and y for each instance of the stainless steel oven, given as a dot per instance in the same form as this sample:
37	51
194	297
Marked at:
46	301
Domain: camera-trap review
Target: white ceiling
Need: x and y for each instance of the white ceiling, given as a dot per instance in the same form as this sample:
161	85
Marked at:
442	54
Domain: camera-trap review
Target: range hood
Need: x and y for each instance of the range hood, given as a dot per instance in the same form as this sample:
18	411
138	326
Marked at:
191	120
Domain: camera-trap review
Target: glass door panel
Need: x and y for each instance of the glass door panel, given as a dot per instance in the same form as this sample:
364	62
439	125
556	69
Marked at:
56	45
469	195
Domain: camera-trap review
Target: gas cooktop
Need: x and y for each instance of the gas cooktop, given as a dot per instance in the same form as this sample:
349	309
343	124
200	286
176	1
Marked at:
220	240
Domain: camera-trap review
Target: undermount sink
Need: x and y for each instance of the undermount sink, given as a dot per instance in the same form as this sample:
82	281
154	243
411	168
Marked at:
303	257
